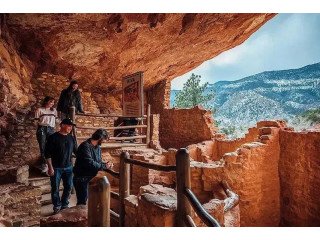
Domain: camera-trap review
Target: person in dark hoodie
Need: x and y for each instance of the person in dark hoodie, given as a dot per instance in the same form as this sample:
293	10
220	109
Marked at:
70	97
88	163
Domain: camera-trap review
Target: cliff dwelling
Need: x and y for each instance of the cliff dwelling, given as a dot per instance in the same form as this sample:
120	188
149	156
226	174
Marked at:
270	177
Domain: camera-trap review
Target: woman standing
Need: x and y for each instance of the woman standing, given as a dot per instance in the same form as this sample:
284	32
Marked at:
46	116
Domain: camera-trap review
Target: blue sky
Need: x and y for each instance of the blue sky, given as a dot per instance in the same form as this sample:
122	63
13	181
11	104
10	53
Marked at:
286	41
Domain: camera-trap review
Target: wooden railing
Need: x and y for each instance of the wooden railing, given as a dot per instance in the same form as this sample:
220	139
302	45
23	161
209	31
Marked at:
185	197
186	200
99	202
124	183
146	118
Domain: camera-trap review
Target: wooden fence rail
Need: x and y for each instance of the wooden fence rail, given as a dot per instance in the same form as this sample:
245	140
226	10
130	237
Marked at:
186	200
144	118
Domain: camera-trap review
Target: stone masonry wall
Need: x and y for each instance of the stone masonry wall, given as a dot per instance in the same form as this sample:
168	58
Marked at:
24	146
182	127
299	169
178	127
159	96
251	171
21	203
223	146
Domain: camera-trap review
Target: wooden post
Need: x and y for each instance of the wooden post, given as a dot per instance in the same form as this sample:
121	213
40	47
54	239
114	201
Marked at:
183	182
148	125
99	202
72	114
124	185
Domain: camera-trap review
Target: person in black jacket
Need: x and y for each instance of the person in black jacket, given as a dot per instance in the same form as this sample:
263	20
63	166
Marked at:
88	163
58	152
69	97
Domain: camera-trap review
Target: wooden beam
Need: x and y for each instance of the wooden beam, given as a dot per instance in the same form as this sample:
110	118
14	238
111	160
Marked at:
183	182
108	115
99	202
148	124
124	184
164	168
113	128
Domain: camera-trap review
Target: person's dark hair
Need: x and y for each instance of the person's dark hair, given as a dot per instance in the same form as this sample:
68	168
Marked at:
73	82
46	100
100	134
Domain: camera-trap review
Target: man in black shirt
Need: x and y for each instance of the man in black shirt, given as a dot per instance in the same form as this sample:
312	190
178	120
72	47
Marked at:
58	152
88	163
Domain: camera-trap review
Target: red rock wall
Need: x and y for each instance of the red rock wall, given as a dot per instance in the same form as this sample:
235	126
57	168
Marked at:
15	87
113	45
21	203
159	96
223	146
299	169
182	127
251	171
253	175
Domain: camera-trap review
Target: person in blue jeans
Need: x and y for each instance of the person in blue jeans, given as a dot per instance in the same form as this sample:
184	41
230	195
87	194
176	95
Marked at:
88	163
58	153
46	117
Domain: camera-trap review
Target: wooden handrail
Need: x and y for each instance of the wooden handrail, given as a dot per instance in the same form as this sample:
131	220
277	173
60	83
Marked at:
107	115
183	188
115	195
198	208
115	215
128	138
113	128
164	168
185	197
113	173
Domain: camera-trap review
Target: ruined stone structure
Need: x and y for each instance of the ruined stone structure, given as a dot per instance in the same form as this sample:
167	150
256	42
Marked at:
273	170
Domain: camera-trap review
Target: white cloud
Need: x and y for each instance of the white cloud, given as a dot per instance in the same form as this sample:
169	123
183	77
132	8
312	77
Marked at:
286	41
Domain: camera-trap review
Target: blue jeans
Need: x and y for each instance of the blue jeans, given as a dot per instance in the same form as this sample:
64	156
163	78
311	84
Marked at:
66	175
81	185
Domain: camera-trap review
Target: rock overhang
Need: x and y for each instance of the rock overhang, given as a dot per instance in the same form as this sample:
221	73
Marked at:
99	49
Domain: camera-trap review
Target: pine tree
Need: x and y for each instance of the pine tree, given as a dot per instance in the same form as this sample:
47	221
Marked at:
193	94
312	115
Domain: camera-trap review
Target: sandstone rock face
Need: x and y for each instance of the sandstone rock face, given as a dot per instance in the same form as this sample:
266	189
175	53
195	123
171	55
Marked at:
15	88
13	174
20	204
100	49
299	169
71	217
157	206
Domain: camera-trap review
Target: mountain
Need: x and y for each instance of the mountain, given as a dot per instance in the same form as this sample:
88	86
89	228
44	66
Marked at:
267	95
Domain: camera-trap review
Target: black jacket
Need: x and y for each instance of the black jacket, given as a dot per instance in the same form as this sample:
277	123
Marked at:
69	98
88	161
59	148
